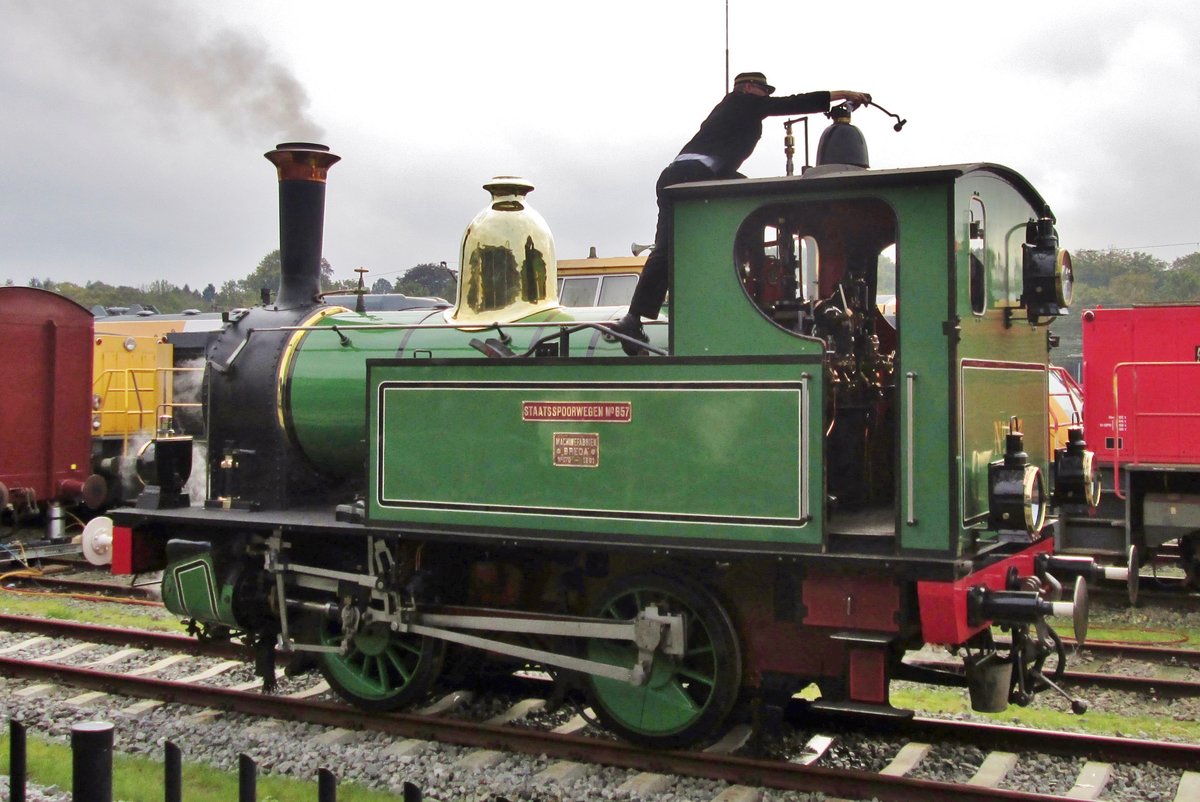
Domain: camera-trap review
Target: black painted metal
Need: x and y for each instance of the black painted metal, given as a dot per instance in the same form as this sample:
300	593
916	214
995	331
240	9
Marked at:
91	761
326	786
172	773
16	761
247	779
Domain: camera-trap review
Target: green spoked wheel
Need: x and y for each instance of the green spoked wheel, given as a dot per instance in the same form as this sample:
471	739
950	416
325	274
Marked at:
688	697
383	670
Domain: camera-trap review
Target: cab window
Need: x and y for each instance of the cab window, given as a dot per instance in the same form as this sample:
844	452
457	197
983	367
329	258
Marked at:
799	262
978	250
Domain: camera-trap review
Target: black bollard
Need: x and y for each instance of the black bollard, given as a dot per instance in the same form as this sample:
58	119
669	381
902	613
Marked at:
16	761
172	773
91	761
247	781
412	793
326	786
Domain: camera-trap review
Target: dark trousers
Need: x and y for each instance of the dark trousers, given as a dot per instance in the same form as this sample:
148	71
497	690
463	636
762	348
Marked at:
651	288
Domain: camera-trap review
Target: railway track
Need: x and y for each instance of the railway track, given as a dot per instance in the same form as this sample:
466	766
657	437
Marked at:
804	767
1165	672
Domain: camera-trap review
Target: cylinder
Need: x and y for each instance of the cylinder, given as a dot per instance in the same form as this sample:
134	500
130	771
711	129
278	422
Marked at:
91	761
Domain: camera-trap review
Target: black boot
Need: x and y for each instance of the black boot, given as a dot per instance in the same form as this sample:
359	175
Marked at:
631	326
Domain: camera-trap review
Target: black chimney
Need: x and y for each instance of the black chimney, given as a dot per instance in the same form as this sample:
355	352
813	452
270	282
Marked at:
302	169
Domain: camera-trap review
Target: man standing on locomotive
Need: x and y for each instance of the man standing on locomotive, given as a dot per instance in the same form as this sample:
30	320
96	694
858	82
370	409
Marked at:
726	138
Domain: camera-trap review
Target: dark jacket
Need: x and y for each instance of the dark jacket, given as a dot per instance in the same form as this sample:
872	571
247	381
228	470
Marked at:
734	126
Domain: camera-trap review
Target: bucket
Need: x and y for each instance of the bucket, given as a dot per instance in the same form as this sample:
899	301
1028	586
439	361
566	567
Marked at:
989	678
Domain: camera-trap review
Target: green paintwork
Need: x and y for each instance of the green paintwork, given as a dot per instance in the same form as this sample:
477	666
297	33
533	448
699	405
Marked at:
711	450
990	392
1002	368
327	375
705	277
190	590
932	291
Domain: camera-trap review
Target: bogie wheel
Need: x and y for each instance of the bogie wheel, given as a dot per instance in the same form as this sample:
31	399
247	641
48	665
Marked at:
687	697
383	670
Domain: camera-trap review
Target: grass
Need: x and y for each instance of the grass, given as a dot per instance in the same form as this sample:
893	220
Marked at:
1183	637
62	606
937	701
140	779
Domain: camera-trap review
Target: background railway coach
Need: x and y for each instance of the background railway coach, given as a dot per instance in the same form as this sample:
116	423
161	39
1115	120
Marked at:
1141	385
45	442
147	377
788	490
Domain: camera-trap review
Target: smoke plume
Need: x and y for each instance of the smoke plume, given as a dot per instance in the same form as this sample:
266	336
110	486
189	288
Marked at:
176	61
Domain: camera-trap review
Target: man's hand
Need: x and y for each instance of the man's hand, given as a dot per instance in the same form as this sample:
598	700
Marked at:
857	98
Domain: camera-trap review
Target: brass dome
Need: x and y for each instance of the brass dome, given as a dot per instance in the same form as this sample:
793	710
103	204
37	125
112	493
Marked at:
507	265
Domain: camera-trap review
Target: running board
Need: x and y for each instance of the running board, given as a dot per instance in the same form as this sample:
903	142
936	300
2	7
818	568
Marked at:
862	709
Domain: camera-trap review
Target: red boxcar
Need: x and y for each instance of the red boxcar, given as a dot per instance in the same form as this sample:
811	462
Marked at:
1141	389
45	406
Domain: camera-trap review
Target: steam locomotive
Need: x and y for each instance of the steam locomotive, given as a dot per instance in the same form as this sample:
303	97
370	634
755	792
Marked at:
788	488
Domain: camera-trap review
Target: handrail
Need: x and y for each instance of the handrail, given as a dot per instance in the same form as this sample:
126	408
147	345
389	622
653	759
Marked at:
910	381
806	446
117	401
338	329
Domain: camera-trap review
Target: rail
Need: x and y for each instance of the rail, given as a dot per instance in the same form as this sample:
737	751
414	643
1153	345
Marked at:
1164	420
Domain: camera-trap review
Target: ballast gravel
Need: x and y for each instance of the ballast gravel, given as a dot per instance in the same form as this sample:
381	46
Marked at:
365	758
370	759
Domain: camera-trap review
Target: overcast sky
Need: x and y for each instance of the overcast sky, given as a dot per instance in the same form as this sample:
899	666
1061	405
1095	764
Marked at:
133	132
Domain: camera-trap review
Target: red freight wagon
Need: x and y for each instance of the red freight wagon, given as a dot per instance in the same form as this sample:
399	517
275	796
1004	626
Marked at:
45	405
1141	390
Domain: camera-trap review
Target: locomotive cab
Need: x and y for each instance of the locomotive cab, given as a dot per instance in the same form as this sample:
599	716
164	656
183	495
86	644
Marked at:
813	269
809	260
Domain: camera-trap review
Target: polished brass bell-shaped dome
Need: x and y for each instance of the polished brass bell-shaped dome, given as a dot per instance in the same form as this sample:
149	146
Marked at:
507	267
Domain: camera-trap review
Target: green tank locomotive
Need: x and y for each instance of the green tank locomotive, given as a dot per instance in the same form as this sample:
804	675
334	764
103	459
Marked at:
789	488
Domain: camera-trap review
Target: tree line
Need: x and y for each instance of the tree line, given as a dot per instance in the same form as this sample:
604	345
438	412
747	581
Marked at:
426	279
1102	277
1113	278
